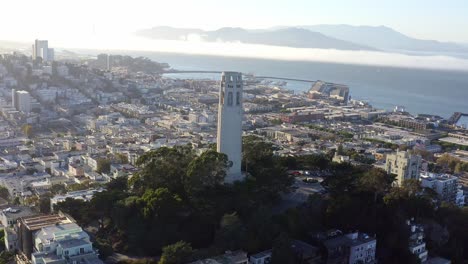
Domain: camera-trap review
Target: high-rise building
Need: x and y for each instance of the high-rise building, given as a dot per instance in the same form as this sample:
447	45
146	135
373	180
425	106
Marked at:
21	100
41	49
14	99
404	165
50	54
230	114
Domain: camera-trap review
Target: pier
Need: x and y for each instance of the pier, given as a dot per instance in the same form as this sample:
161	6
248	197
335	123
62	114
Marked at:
259	77
456	117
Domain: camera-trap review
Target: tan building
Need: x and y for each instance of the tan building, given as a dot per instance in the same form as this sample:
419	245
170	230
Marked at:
76	170
404	165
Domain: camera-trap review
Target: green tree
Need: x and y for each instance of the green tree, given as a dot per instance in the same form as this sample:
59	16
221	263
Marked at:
177	253
103	165
375	181
266	174
58	189
163	168
207	170
122	158
119	184
77	208
340	150
231	234
6	257
27	130
282	251
4	193
44	205
16	201
160	203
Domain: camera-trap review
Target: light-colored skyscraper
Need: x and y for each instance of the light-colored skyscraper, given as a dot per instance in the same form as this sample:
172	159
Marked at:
41	49
230	115
23	101
14	99
404	165
50	54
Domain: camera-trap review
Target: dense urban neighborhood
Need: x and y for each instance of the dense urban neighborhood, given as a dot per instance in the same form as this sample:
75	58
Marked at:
121	159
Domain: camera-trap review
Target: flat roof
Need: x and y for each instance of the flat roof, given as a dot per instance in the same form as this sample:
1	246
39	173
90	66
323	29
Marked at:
38	222
454	140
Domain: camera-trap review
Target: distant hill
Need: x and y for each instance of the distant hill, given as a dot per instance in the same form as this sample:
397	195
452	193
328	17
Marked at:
289	37
341	37
385	38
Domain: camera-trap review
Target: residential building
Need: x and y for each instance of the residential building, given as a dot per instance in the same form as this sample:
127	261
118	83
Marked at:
302	117
40	49
332	90
20	235
76	169
234	257
305	253
22	101
14	99
417	246
340	158
9	215
63	243
53	239
85	195
230	115
351	248
404	165
437	260
446	186
406	121
263	257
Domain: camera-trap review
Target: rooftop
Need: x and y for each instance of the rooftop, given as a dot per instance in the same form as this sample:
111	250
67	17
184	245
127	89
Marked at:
40	221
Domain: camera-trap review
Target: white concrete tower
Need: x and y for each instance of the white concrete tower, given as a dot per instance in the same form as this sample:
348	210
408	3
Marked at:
230	114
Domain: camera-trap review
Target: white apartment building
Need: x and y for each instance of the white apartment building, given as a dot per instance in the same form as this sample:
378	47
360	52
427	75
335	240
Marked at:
445	185
404	165
21	100
417	246
63	243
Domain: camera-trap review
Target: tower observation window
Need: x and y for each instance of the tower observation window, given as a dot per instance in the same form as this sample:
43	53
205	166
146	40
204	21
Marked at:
230	98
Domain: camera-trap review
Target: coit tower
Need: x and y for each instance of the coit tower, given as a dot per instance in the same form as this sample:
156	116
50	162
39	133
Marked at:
230	114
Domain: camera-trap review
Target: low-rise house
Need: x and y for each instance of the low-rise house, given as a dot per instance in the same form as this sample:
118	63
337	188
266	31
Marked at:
340	158
85	195
120	170
263	257
234	257
52	239
76	170
9	215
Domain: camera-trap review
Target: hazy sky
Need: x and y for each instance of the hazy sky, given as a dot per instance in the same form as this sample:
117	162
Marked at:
445	20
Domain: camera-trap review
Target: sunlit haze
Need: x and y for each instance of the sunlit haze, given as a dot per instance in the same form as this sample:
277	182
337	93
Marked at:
55	19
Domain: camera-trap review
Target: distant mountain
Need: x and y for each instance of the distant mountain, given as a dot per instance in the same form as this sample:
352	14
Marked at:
289	37
385	38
